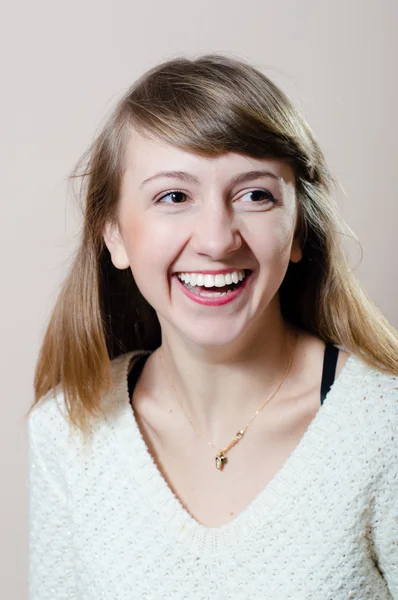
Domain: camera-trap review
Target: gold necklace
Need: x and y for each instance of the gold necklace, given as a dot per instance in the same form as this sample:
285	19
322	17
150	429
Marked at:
221	459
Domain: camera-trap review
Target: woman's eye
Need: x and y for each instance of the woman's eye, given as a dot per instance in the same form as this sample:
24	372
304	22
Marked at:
255	197
176	198
260	196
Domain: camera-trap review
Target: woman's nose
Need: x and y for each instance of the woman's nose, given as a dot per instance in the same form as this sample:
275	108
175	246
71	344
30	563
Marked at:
216	233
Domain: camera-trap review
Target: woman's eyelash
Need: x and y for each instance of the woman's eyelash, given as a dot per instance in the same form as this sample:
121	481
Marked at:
267	193
270	196
169	194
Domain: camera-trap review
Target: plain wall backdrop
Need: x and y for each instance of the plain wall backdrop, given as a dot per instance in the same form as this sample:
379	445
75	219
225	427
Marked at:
64	65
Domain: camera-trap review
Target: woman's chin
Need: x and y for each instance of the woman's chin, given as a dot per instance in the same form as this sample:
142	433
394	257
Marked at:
214	336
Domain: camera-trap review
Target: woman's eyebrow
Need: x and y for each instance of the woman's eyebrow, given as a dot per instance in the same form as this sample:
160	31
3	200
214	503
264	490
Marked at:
249	175
183	175
188	177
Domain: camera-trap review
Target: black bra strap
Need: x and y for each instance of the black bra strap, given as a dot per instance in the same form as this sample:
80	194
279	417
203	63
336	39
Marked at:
135	372
329	369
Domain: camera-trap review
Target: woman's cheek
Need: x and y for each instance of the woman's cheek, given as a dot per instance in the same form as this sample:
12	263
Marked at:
151	252
276	242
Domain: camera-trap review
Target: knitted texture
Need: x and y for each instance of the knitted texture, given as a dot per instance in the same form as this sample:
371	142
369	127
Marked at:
105	525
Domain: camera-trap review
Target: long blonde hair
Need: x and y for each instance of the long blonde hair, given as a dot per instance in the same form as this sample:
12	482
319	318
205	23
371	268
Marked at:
210	105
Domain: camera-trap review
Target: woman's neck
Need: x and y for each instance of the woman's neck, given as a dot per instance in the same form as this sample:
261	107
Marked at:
219	396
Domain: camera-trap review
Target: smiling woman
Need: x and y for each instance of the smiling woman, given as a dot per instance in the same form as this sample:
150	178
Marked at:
232	215
234	387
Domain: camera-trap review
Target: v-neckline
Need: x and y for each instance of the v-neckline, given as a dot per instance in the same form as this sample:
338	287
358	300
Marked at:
161	497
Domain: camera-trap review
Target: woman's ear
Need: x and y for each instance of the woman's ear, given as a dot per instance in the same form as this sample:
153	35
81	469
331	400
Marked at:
115	245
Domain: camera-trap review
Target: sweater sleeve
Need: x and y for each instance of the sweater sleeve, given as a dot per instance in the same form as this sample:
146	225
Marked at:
385	513
50	549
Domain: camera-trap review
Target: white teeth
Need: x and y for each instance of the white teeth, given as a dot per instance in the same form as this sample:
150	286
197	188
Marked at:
212	294
207	280
219	280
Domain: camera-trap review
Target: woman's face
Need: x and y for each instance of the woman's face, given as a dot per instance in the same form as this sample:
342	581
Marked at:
216	219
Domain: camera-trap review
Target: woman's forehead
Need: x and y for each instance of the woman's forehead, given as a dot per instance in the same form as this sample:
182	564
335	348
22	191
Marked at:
148	157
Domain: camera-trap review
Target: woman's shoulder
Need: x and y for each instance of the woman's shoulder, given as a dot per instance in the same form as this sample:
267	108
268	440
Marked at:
49	416
370	394
51	411
369	377
48	433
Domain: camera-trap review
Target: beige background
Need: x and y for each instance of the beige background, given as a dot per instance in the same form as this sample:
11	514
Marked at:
62	67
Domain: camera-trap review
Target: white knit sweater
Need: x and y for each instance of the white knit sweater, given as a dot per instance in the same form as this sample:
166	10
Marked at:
104	524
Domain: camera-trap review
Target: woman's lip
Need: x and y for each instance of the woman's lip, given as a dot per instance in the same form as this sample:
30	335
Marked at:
218	272
218	300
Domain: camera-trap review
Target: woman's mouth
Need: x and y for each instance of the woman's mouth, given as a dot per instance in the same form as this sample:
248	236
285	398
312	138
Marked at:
213	289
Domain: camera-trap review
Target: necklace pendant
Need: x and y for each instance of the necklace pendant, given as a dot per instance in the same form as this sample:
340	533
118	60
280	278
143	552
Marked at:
221	461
